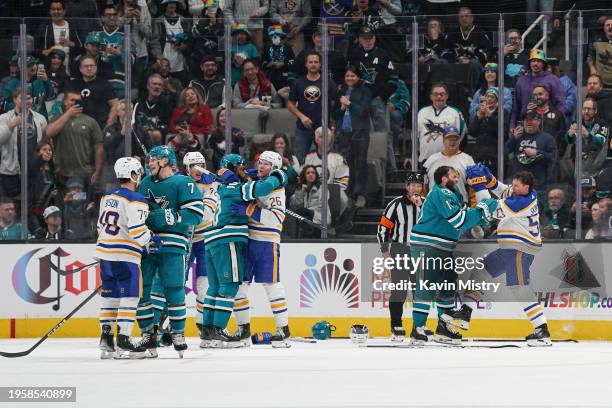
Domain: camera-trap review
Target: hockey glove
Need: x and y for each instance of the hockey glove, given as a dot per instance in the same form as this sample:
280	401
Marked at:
154	245
251	210
227	176
488	205
280	176
253	174
162	218
491	180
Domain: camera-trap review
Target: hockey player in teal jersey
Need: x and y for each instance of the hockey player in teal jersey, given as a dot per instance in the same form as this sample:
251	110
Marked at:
226	242
443	217
175	209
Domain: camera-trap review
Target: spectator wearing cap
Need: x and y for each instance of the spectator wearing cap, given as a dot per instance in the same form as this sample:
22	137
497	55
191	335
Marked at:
489	80
169	39
452	156
538	74
211	85
59	33
92	49
10	142
533	150
484	130
53	229
568	86
242	50
433	119
98	98
248	13
376	70
595	89
353	119
255	91
516	58
56	70
595	135
336	60
293	16
277	57
305	103
152	114
77	138
598	56
9	228
78	210
553	121
37	82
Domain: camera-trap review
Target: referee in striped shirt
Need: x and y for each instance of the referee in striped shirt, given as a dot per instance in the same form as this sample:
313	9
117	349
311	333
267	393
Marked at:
393	236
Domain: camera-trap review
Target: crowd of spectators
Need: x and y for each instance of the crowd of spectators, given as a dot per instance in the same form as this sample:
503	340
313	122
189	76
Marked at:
77	125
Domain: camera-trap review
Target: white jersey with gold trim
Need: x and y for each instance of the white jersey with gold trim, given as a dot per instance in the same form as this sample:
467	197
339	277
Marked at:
207	188
122	231
270	224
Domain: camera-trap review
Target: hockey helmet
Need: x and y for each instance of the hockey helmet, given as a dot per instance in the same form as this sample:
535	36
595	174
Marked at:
125	166
231	160
322	330
273	158
163	151
193	158
415	177
359	333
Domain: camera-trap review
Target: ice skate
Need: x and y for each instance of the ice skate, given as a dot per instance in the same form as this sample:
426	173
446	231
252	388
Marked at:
458	317
205	336
200	328
244	334
107	343
220	338
280	339
540	337
178	341
149	342
398	334
128	348
420	335
446	334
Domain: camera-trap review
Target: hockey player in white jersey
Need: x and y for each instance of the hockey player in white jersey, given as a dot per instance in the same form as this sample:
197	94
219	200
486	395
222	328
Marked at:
518	235
122	234
266	216
195	166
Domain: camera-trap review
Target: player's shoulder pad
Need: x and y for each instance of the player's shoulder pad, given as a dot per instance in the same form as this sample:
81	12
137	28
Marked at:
133	196
518	203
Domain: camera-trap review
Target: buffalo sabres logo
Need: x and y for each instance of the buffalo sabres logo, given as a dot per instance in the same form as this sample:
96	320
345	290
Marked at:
333	9
312	93
160	201
434	130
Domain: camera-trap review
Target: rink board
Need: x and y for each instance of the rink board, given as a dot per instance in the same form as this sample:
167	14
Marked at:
324	281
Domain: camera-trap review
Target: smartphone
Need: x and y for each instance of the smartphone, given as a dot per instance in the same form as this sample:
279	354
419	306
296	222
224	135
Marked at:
41	67
80	196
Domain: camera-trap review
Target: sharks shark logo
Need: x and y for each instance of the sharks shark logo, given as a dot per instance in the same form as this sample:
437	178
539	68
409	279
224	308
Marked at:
160	201
434	130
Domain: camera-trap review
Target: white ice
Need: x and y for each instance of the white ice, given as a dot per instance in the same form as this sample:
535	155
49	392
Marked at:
332	373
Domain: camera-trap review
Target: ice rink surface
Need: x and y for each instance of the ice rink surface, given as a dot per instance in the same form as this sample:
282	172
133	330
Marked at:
331	373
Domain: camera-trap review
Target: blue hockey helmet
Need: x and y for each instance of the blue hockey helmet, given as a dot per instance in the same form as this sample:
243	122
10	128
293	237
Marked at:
163	151
231	160
322	330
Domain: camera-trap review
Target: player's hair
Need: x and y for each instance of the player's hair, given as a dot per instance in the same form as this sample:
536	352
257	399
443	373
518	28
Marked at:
525	177
440	172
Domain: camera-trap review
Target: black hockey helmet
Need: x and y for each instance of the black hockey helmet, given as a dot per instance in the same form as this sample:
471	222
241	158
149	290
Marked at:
415	177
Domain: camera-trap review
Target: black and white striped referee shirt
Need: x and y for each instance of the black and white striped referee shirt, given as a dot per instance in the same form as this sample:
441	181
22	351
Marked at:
396	222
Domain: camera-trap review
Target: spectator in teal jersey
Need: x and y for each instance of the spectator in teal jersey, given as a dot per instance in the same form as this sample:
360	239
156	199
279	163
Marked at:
242	50
9	229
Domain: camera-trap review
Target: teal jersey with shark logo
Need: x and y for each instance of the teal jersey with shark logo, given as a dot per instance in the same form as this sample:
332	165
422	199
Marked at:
181	195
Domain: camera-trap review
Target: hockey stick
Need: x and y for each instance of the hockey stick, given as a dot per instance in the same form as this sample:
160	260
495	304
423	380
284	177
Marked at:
302	340
287	211
462	346
53	330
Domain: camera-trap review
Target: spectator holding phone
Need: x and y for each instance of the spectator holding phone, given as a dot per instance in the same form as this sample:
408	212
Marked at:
190	122
37	79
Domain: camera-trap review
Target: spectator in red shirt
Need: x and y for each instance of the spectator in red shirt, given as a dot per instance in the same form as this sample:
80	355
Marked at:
190	122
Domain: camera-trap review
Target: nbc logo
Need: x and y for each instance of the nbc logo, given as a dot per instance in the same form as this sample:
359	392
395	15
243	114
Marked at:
329	285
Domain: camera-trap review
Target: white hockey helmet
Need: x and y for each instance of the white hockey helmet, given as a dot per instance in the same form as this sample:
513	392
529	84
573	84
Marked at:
273	158
192	158
125	166
359	333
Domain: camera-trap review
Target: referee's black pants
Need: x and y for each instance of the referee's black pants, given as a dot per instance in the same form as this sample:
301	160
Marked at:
398	296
